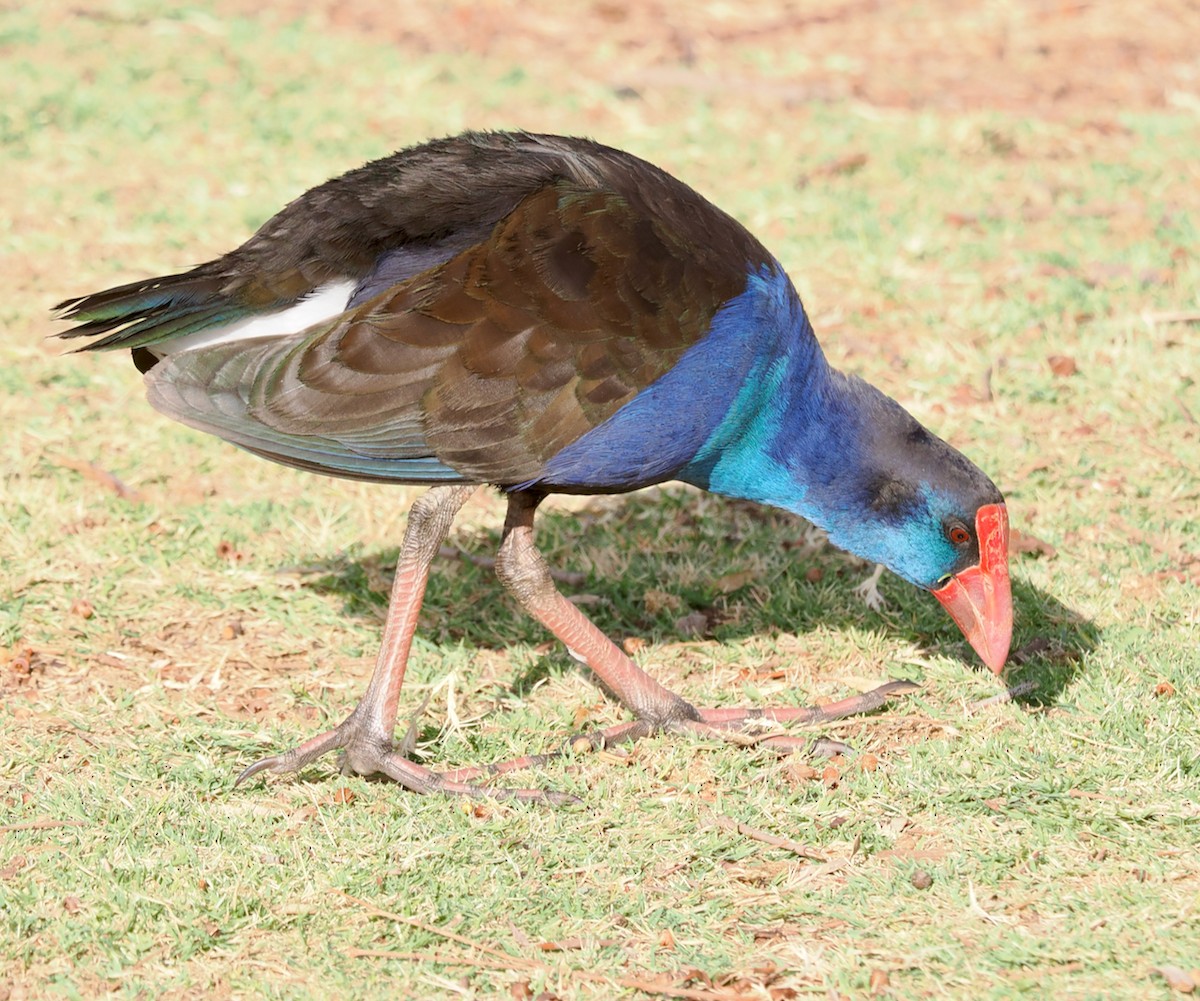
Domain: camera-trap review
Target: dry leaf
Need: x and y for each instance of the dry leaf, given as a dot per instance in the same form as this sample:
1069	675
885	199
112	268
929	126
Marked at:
585	599
1024	542
19	660
1178	979
731	582
14	866
965	394
692	624
1062	365
228	551
961	220
861	683
800	771
92	472
1040	464
1026	651
849	164
658	601
580	716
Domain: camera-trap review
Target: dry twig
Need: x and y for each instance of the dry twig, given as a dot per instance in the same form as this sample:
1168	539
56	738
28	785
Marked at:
44	824
774	840
1024	688
90	471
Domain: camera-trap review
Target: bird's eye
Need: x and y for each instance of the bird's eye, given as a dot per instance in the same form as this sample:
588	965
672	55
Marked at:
958	535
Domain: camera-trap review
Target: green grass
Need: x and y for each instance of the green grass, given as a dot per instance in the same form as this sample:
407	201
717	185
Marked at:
1061	832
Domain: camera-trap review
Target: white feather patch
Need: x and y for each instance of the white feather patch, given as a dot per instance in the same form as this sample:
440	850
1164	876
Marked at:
323	303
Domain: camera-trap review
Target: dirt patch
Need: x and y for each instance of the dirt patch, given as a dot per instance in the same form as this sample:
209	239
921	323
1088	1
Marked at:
1053	58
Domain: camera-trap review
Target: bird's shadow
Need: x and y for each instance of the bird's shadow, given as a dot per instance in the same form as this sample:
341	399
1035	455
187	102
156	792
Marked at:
670	564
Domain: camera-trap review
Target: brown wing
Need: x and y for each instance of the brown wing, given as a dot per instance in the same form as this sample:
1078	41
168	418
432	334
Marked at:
490	363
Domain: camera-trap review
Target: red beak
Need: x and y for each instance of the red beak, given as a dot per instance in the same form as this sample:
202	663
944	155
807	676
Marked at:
979	598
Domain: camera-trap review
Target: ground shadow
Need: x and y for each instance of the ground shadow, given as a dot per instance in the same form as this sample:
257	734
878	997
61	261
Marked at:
683	550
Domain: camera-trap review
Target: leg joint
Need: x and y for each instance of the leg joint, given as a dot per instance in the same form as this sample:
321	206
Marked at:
521	568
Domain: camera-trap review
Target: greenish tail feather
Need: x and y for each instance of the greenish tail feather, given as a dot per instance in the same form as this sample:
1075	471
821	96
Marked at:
143	313
152	330
122	299
93	309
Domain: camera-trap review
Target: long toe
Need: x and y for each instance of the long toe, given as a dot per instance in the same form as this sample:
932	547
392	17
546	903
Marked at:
854	705
753	727
295	758
420	779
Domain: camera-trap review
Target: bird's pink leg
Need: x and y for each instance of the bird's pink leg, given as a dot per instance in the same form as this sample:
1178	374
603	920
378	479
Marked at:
365	736
525	573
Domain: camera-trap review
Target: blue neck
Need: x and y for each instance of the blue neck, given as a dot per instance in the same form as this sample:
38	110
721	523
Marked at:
801	436
753	410
776	437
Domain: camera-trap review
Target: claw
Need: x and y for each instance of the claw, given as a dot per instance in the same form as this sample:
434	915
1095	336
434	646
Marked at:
260	765
292	760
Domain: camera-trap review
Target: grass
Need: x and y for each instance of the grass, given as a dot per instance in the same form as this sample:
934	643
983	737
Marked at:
153	643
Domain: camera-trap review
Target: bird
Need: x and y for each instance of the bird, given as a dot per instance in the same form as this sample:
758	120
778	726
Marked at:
547	315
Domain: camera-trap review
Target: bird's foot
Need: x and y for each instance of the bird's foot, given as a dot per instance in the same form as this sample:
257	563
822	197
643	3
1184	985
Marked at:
868	590
743	727
366	752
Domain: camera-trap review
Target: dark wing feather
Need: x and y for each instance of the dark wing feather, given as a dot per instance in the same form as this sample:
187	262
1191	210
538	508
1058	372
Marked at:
386	222
489	363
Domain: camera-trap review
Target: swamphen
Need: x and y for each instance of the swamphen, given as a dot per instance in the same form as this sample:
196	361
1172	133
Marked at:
547	315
